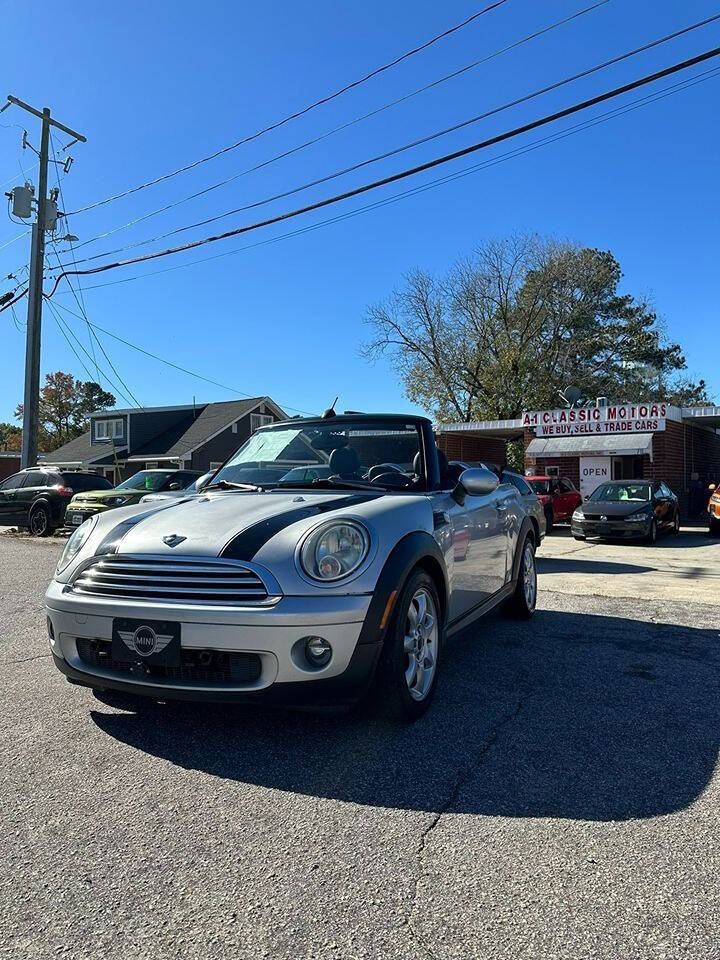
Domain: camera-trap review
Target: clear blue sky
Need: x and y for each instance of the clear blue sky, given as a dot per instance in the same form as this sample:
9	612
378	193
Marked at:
155	85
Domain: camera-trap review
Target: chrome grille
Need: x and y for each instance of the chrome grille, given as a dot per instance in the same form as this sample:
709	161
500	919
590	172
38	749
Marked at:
186	580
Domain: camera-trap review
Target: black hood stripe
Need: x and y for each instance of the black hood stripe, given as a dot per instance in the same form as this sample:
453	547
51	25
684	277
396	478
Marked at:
246	545
111	541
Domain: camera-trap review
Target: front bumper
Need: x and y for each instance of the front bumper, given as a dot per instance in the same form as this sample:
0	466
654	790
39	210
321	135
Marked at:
269	634
611	530
74	516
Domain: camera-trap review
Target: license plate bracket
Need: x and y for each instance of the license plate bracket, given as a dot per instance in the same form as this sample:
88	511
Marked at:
154	642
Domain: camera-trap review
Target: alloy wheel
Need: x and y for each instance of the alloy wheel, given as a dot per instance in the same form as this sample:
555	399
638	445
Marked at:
529	575
420	644
39	522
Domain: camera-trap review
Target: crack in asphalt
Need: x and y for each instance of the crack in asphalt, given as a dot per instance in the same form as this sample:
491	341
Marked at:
464	775
39	656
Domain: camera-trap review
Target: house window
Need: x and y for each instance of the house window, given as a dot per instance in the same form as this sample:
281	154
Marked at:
109	429
259	420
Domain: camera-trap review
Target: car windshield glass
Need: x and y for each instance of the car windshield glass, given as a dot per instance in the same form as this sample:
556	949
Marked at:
617	492
540	486
380	452
145	480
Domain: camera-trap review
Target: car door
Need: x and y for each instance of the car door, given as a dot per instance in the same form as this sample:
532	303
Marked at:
481	521
565	500
34	482
9	509
665	512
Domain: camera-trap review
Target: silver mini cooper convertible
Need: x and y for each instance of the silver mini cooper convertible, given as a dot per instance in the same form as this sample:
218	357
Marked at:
327	556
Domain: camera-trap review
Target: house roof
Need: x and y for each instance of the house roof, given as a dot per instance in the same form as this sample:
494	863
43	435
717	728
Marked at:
78	451
173	443
192	433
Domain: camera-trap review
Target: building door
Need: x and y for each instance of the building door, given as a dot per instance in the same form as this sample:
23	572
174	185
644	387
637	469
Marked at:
593	472
627	468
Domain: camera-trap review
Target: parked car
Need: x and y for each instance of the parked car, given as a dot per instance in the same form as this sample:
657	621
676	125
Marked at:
85	505
627	509
177	494
298	591
37	497
559	498
713	509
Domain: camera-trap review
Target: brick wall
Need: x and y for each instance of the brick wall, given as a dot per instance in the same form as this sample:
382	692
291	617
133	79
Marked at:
9	466
457	446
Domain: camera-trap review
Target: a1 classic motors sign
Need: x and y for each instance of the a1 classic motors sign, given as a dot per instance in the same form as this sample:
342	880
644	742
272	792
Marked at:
591	421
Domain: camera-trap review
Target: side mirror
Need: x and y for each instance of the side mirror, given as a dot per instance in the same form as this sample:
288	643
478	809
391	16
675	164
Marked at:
475	482
203	481
175	486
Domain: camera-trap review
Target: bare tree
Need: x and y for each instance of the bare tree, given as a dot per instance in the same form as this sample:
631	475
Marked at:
510	326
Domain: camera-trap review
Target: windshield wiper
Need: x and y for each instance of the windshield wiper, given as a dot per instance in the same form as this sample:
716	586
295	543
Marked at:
228	485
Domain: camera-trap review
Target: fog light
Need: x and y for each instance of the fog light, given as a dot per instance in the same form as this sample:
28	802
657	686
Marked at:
317	651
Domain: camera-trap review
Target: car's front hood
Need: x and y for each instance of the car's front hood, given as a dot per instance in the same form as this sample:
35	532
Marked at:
208	523
613	508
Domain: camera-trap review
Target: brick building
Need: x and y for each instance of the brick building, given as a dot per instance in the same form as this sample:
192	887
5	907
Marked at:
651	440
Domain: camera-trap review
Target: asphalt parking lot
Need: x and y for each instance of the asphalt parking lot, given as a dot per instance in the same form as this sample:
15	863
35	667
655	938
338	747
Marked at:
560	800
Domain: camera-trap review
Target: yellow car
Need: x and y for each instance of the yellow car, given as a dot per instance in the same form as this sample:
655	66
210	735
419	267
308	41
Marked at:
713	508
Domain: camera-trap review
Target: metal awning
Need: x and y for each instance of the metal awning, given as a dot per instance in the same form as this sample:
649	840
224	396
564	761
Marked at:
504	429
605	445
702	417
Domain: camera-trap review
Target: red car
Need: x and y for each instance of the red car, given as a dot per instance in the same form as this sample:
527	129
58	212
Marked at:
558	496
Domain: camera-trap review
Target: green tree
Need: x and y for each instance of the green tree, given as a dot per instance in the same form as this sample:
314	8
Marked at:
510	327
65	408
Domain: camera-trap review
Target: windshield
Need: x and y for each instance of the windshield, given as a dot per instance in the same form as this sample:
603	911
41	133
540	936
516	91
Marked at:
145	480
616	492
540	486
377	452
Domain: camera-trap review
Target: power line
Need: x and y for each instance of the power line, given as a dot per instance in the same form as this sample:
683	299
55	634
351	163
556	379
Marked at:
176	366
299	113
431	184
63	324
404	174
344	126
92	336
398	150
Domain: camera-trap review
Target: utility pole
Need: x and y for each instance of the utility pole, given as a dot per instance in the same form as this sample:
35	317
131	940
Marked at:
31	399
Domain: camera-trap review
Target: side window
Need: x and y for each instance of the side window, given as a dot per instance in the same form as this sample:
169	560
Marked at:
522	488
184	479
665	490
12	483
566	486
35	479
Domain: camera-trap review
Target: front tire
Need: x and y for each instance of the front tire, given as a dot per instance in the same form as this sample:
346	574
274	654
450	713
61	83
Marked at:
524	599
676	523
651	538
39	522
714	527
410	660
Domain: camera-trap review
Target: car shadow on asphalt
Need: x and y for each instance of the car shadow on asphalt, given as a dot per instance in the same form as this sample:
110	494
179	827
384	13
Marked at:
572	716
570	564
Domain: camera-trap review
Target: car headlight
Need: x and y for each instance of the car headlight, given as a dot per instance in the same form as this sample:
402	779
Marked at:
578	515
117	501
335	550
638	517
76	543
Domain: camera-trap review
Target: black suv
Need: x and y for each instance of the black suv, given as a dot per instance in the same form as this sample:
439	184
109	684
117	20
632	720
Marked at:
37	497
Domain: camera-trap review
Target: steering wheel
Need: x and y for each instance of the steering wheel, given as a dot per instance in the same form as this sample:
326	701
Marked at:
381	469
